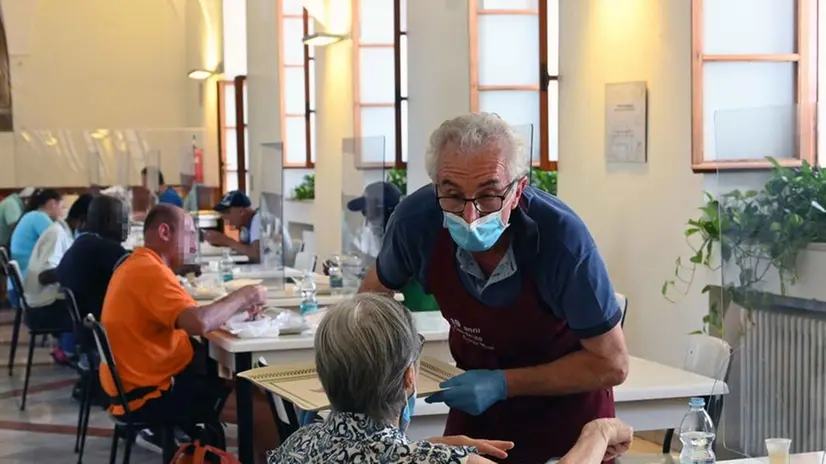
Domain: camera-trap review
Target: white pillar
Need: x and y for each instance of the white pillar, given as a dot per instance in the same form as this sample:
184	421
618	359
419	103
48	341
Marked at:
263	89
438	74
334	119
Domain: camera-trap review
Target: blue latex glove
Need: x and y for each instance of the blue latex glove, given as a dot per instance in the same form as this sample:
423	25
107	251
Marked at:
473	391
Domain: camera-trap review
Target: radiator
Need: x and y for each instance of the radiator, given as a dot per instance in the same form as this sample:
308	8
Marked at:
778	383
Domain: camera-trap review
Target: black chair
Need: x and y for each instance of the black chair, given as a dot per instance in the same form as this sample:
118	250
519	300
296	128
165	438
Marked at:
87	373
126	426
17	284
18	311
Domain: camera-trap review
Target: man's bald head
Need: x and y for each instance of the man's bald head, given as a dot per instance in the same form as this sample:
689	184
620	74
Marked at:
170	232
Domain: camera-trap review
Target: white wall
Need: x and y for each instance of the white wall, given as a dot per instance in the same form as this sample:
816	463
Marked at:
439	74
263	88
637	213
96	63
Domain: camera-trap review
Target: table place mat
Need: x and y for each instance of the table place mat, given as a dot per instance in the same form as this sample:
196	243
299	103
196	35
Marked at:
299	383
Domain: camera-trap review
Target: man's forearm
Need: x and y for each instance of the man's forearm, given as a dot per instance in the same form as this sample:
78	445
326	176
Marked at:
372	284
249	251
577	372
214	314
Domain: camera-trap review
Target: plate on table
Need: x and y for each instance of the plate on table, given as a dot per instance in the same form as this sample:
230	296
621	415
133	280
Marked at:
262	326
288	322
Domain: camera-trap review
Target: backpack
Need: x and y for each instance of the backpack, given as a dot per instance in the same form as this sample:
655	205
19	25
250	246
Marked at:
196	453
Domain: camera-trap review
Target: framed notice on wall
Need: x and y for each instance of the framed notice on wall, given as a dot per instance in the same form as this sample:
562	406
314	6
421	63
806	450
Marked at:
626	122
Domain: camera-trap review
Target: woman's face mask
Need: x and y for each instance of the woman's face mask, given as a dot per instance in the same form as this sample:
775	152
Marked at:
407	411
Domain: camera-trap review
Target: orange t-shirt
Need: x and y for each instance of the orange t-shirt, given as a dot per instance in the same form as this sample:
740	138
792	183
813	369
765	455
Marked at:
140	311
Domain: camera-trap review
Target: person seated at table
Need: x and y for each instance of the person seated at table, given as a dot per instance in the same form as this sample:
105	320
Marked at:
166	193
376	205
236	209
47	307
151	319
43	208
11	210
366	355
87	267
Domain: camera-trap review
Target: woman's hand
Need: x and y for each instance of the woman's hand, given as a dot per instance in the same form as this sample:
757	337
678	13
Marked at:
618	435
495	448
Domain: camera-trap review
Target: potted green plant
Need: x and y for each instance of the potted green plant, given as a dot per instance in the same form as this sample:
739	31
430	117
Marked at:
306	189
544	180
758	234
398	177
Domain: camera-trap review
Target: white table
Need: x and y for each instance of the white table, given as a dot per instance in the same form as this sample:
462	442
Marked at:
803	458
653	397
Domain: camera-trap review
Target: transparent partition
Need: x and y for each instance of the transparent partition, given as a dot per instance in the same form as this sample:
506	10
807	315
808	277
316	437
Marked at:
269	228
366	202
762	236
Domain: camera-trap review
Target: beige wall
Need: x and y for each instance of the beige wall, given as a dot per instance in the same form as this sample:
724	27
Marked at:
636	213
102	64
438	74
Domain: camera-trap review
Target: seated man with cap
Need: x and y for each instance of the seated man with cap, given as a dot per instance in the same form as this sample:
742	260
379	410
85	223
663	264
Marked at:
236	209
376	205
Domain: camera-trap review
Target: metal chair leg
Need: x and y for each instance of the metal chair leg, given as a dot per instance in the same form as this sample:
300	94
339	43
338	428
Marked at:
669	434
80	413
113	451
88	410
15	335
28	372
129	439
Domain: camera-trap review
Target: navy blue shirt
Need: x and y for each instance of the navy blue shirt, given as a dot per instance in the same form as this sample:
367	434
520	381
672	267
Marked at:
551	246
86	269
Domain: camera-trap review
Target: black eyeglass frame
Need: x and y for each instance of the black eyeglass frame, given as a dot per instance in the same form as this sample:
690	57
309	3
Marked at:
475	200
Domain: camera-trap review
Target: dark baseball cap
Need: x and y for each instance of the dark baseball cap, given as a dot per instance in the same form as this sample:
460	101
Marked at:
377	196
233	199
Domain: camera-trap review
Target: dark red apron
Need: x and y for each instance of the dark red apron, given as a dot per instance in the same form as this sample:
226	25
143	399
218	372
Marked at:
524	333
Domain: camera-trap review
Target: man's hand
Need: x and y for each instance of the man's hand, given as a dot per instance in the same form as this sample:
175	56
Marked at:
215	238
253	295
495	448
473	391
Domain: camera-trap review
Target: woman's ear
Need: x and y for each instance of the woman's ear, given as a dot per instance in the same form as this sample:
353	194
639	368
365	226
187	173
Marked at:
410	379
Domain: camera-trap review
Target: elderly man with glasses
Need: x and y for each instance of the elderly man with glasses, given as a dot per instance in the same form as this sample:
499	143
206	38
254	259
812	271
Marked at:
534	320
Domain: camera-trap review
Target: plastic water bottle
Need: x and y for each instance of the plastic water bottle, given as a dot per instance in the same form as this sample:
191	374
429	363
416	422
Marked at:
309	303
225	267
336	277
697	435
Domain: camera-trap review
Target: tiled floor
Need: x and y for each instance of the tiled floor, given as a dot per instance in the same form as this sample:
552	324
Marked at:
45	432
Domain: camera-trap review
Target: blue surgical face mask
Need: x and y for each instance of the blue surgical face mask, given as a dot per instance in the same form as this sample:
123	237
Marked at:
407	412
479	235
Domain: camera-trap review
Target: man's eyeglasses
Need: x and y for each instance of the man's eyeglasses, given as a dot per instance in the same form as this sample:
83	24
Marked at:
484	204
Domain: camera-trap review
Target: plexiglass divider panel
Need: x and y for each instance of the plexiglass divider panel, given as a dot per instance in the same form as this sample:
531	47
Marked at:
761	239
363	188
274	238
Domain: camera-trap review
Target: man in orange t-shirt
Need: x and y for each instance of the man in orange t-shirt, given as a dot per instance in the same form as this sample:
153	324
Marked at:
149	318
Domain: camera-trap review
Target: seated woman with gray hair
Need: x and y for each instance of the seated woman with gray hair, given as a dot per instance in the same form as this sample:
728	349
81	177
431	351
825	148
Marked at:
366	354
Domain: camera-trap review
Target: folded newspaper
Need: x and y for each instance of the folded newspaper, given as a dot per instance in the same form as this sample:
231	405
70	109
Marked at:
299	383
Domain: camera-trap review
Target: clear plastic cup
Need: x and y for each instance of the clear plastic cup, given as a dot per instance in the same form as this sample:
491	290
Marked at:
778	449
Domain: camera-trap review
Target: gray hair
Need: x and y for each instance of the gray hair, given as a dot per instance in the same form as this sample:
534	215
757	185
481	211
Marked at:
474	131
363	347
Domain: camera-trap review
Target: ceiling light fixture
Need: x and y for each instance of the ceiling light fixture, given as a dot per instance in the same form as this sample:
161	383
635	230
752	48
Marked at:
322	39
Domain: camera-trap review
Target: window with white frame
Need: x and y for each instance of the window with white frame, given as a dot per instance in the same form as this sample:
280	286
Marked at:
754	83
380	79
515	67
